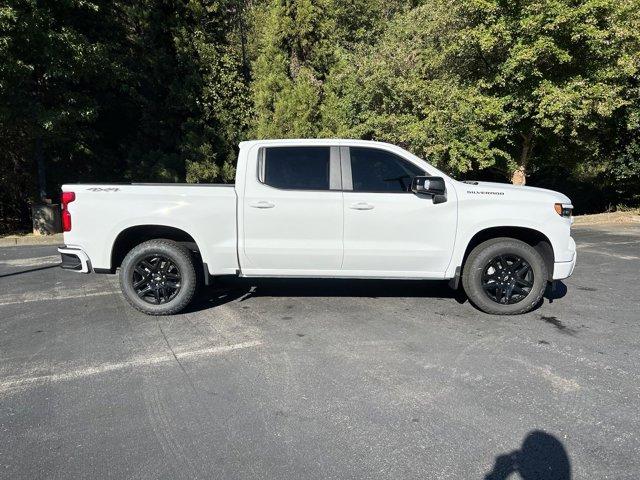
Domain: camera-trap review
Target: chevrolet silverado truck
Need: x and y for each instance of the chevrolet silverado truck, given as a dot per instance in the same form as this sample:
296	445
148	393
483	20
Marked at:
322	209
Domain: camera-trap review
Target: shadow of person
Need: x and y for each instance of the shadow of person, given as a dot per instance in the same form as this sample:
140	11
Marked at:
541	457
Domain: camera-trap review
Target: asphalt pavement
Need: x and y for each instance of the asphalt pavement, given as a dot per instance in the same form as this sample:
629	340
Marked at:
292	379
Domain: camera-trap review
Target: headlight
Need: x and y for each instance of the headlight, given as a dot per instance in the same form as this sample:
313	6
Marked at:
563	210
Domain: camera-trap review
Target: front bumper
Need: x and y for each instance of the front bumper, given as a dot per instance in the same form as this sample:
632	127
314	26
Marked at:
564	269
74	258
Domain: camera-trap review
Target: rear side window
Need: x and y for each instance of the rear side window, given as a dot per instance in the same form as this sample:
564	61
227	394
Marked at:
375	170
296	168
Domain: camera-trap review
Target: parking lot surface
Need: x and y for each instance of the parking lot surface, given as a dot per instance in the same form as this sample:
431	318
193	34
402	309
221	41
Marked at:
292	379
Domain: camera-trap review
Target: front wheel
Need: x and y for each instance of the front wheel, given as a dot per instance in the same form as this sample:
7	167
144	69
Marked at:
158	277
505	276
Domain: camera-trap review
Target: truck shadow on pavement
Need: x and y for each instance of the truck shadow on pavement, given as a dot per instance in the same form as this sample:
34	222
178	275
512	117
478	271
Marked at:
557	289
46	267
541	457
225	290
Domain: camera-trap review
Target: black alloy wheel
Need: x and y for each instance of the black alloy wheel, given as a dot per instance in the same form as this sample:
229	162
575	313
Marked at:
507	279
156	279
505	276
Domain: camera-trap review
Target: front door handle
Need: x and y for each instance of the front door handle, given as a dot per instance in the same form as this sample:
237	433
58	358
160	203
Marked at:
262	204
361	206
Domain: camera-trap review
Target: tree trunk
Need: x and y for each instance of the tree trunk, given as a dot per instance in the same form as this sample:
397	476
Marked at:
42	178
519	176
243	41
294	64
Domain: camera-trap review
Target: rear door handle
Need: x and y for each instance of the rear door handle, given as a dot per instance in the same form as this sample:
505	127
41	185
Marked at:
361	206
262	204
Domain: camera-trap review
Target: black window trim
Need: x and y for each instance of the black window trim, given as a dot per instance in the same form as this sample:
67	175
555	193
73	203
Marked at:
345	159
334	168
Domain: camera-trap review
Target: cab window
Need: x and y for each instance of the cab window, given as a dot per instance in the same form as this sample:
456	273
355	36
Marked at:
375	170
296	168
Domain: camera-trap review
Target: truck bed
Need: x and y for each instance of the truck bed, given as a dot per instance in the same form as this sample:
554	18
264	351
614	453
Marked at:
100	212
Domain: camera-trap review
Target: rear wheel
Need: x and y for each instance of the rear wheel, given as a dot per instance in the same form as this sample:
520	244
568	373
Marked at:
505	276
158	277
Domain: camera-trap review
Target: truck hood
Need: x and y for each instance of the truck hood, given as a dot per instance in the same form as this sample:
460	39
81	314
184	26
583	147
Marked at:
515	191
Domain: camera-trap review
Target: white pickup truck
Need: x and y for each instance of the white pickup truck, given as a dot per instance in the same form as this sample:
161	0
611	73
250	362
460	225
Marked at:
322	208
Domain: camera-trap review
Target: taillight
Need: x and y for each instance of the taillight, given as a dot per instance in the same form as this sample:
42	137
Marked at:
66	198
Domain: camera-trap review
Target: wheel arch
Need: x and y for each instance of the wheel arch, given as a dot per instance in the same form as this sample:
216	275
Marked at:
533	237
137	234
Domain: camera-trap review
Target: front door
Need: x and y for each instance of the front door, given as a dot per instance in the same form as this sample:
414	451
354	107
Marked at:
292	212
389	231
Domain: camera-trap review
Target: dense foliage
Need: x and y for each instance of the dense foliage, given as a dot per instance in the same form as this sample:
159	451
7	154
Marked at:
108	90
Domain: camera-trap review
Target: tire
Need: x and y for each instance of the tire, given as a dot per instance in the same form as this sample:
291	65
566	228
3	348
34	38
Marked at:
488	283
164	266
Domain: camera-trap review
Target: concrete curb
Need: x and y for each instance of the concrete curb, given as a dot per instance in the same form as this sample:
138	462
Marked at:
14	241
615	218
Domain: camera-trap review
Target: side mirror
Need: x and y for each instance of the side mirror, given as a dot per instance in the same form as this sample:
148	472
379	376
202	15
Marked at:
434	186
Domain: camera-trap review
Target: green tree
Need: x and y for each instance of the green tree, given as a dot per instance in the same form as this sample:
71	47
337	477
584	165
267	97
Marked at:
299	43
621	155
295	42
559	66
164	90
115	90
390	91
48	65
491	83
220	104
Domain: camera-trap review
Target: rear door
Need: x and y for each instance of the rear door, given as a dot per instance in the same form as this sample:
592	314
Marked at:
292	212
388	230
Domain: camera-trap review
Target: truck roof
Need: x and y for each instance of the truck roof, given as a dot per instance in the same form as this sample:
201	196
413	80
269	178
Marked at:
315	141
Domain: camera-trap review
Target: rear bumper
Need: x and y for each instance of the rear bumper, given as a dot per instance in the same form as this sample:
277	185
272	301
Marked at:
74	258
